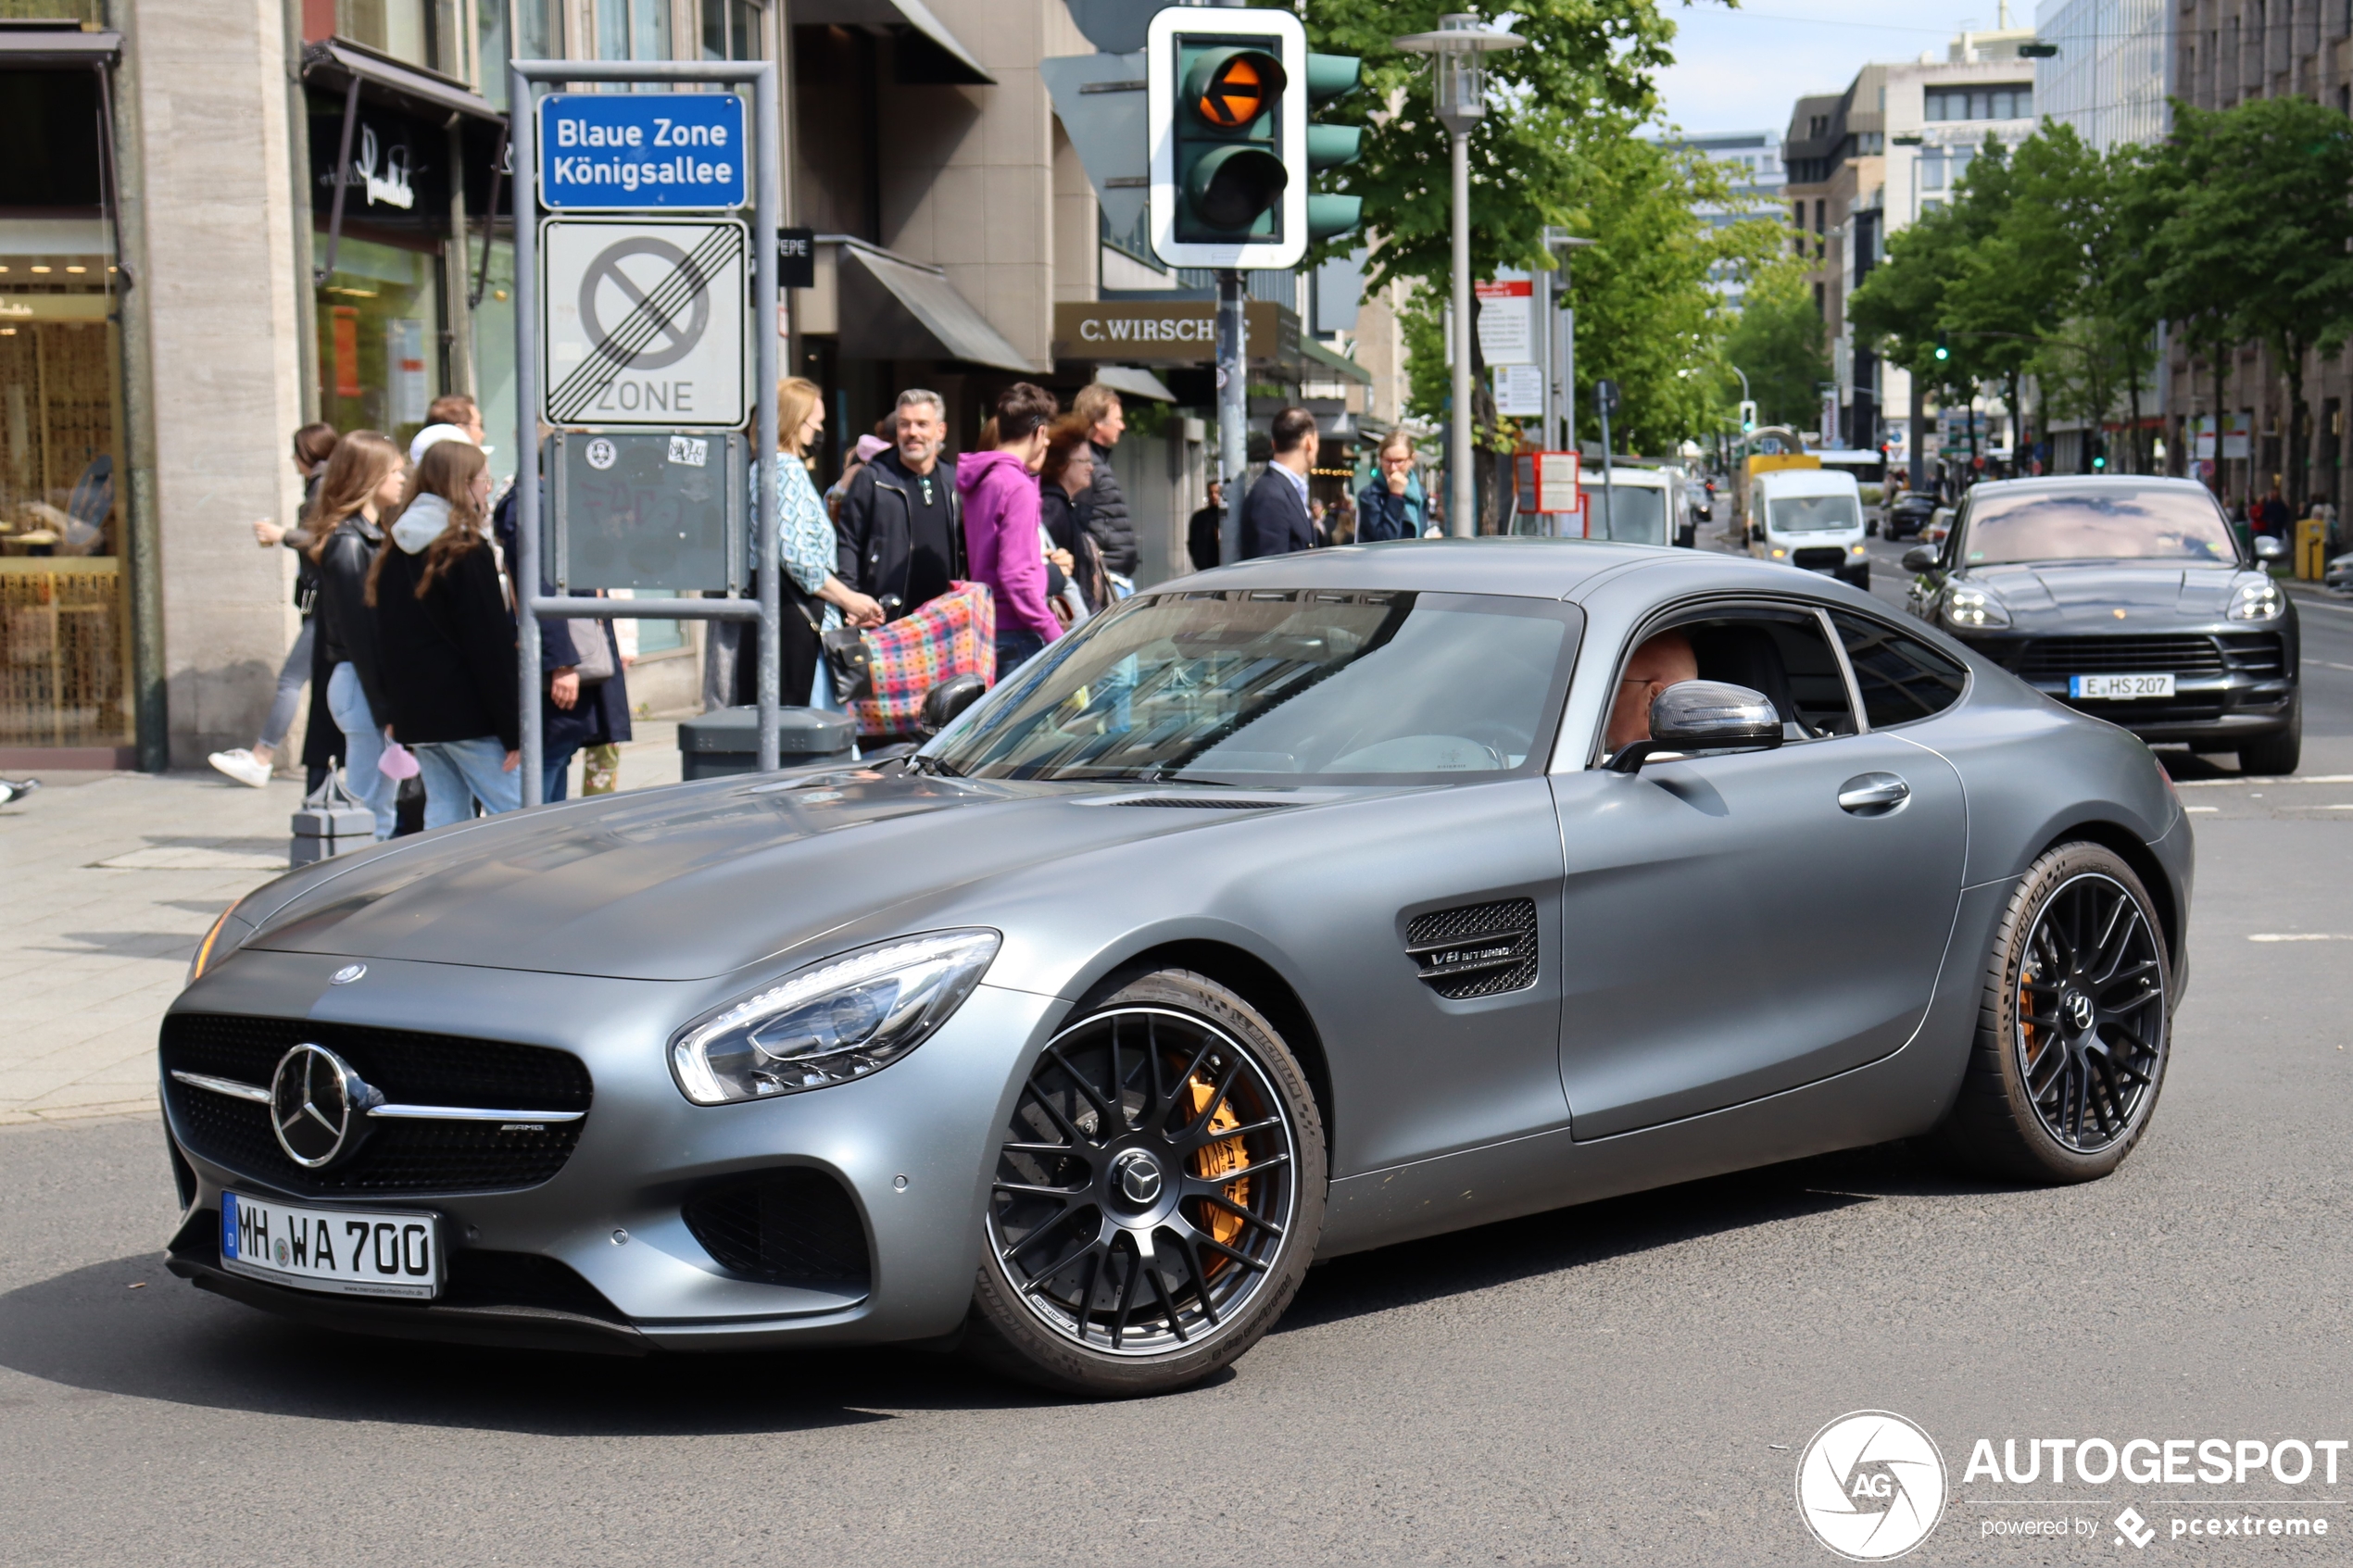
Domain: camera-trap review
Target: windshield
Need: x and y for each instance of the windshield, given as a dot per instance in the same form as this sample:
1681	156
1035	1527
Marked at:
2109	523
1631	514
1367	688
1812	514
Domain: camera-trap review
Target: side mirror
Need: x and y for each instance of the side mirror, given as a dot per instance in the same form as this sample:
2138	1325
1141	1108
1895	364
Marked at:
1920	558
945	701
2269	548
1704	716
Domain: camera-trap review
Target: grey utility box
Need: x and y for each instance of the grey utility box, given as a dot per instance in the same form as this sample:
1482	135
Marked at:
647	509
330	823
727	741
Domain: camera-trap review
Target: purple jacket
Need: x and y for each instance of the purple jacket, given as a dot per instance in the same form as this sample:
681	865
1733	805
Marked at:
1001	546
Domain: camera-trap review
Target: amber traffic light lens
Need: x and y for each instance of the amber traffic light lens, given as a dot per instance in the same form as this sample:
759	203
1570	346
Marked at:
1236	94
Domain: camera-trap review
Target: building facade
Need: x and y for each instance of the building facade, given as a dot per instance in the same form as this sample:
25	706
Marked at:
2225	53
1752	164
227	218
2109	79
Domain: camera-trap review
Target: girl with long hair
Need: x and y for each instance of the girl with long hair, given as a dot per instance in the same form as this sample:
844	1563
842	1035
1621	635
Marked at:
448	638
365	478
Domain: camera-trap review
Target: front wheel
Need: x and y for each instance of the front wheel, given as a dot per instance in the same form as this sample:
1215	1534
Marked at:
2074	1028
1157	1197
2276	754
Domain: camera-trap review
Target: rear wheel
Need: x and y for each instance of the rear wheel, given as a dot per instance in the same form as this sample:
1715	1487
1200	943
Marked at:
1157	1197
2074	1030
2277	754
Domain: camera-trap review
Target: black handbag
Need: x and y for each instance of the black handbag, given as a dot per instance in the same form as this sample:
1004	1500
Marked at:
849	662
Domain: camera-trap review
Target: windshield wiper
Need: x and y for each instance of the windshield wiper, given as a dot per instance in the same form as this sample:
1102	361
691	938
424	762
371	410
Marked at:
924	762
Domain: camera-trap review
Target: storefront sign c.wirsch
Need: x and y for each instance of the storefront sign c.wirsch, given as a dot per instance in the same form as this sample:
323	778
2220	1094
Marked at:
1159	332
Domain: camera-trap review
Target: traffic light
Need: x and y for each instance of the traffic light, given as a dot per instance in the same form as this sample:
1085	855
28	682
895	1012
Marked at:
1942	353
1328	146
1228	97
2099	454
1748	417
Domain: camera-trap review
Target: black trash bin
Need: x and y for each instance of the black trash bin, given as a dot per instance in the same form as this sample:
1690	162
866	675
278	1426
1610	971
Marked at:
727	741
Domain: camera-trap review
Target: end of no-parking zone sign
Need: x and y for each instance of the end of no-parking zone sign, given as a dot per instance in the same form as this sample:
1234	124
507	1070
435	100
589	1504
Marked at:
644	322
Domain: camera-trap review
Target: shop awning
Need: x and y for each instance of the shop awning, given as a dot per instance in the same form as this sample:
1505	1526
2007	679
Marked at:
894	308
65	44
340	60
1134	382
932	52
1318	363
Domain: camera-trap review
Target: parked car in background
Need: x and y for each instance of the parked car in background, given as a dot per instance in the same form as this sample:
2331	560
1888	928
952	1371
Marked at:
1908	517
2128	597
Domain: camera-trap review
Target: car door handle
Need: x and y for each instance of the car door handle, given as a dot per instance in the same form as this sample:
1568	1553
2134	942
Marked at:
1873	795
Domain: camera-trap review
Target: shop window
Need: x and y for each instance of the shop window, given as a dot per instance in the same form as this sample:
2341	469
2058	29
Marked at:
730	30
379	337
64	629
633	30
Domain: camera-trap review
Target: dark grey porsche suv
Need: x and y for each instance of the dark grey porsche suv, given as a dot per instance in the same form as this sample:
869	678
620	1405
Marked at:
2127	598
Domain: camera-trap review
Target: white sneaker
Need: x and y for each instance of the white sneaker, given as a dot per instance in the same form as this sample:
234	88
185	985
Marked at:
243	766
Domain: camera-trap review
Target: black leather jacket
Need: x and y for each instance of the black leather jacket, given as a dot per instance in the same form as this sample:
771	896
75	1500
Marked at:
346	627
872	533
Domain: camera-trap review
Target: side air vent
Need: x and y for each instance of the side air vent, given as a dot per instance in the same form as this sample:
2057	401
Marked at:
1209	803
1481	950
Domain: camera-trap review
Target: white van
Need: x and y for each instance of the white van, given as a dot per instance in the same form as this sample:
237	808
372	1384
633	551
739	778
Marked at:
1809	517
1639	507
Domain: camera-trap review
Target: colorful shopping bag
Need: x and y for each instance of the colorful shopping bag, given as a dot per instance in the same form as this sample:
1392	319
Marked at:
954	634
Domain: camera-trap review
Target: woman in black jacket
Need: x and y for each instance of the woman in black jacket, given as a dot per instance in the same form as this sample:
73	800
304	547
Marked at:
448	638
364	478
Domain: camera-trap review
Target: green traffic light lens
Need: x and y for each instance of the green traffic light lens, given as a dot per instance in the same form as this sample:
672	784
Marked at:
1230	187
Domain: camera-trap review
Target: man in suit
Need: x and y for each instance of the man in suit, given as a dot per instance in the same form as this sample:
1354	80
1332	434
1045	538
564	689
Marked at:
1275	517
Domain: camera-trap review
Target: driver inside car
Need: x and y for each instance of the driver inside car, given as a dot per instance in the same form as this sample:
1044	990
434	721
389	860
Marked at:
1659	663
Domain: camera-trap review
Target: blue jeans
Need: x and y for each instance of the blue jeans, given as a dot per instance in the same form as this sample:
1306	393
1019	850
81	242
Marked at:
1015	646
293	676
459	772
363	745
555	776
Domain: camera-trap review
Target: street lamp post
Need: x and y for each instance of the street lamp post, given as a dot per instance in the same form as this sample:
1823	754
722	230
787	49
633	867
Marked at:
1460	47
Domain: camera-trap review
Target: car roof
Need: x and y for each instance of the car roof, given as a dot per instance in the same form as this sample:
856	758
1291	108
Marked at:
2062	483
1640	478
1526	567
1810	481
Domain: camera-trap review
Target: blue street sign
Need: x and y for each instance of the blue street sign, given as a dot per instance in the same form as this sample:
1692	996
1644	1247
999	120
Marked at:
629	152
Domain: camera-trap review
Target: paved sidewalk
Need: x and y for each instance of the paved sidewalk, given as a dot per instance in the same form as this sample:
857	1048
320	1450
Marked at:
112	879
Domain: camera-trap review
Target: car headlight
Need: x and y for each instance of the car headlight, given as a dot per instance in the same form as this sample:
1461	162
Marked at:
2259	601
1855	549
843	1018
1975	607
219	942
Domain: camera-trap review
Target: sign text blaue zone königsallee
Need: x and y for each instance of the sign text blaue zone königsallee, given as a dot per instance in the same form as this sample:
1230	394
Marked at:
625	152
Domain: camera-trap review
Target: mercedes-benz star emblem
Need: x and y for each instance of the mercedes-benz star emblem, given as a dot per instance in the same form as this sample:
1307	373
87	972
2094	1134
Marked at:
347	975
1139	1177
2079	1011
314	1096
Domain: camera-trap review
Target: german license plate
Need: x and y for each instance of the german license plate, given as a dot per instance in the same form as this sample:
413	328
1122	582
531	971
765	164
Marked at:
340	1250
2118	688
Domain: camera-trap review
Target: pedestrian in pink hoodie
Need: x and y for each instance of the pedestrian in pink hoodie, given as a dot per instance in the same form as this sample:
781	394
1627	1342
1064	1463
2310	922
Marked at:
1002	544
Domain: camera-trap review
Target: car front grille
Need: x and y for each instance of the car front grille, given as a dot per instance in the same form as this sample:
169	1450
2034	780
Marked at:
1828	558
400	1156
2055	659
794	1226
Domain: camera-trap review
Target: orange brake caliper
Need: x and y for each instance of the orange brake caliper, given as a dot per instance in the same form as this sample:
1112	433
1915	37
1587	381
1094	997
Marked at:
1214	1161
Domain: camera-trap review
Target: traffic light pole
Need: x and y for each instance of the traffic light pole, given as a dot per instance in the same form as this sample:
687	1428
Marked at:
1233	407
1463	509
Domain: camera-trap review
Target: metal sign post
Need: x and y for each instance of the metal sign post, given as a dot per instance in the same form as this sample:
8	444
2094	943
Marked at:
659	320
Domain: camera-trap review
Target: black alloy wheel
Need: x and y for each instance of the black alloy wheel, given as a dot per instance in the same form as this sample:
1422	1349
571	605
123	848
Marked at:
1156	1197
2074	1028
2091	1017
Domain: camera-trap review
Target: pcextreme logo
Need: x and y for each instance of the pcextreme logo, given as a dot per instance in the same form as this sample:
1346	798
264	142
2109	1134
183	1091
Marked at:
1870	1485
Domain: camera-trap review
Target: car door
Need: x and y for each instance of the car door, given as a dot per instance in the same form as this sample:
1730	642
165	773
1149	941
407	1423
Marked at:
1736	925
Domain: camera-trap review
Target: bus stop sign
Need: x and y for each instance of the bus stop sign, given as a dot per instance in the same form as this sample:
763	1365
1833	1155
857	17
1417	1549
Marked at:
644	322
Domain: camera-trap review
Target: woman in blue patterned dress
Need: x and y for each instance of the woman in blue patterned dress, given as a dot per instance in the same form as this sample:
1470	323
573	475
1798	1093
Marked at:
816	600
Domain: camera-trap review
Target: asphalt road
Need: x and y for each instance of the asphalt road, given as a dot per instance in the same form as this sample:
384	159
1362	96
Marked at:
1629	1382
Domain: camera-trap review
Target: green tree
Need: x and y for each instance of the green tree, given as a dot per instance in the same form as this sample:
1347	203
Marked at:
1777	342
2263	230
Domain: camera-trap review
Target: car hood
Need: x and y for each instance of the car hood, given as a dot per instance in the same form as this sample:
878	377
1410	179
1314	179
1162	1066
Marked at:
704	879
2086	595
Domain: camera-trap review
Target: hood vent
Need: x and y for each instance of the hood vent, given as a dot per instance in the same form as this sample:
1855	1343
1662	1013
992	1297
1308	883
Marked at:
1202	803
1478	950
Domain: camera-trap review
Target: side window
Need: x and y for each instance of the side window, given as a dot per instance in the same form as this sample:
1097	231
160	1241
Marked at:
1782	653
1900	677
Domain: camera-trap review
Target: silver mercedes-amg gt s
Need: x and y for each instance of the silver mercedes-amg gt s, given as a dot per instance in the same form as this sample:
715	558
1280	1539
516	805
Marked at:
1286	911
